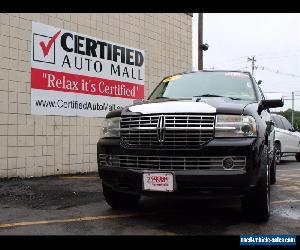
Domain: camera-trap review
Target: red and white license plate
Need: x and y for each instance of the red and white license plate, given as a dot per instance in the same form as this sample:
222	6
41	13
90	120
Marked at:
163	182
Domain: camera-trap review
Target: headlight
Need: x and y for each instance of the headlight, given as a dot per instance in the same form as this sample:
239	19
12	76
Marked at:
235	126
111	127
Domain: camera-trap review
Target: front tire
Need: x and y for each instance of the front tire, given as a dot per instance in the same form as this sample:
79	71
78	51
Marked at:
273	172
256	203
118	200
277	149
297	157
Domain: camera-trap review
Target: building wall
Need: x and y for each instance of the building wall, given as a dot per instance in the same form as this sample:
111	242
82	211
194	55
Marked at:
32	145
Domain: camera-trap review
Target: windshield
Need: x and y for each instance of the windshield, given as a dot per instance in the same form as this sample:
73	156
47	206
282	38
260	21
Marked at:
235	85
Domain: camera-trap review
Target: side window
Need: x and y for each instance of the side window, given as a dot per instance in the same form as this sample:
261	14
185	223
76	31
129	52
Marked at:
261	93
278	122
258	91
286	123
273	118
262	96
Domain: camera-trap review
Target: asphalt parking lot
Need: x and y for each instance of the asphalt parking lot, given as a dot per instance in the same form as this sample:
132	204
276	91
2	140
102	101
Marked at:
74	205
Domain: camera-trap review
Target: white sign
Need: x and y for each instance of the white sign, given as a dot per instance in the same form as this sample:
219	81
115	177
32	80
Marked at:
78	75
158	182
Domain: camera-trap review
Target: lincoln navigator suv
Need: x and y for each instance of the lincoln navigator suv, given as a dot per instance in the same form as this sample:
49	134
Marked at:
199	134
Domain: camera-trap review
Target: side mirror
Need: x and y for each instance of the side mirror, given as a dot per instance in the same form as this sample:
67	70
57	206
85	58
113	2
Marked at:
205	46
259	82
271	101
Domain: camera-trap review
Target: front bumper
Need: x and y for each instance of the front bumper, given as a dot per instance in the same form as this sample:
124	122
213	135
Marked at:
189	182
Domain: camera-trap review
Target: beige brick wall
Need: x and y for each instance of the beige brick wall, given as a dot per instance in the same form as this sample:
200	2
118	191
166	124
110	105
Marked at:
33	145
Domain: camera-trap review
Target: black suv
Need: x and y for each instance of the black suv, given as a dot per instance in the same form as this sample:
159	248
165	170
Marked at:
199	134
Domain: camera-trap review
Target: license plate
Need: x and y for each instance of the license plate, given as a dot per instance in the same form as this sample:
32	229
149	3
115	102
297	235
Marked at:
163	182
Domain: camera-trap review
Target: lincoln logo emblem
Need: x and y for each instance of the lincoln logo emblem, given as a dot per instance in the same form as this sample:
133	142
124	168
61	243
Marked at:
161	128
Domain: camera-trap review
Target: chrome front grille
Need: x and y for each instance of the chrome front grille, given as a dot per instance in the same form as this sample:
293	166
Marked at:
167	130
170	162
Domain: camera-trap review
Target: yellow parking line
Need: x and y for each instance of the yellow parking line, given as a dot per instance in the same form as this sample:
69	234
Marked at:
169	233
295	169
285	201
86	218
101	217
78	177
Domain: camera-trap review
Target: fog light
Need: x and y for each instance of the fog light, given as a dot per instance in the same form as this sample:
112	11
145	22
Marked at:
228	163
246	129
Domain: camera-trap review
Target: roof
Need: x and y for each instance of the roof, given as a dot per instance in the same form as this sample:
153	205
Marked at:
195	71
220	70
273	114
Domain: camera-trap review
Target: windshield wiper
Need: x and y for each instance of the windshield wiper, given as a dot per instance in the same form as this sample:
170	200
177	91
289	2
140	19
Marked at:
234	98
208	95
211	95
162	97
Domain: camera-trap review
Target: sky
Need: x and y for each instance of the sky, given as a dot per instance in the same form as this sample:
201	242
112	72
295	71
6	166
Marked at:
272	38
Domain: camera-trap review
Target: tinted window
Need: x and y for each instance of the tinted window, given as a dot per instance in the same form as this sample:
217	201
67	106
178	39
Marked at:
261	93
229	84
286	123
277	122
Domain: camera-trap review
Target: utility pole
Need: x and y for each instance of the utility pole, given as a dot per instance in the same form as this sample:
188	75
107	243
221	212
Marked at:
293	99
253	63
200	41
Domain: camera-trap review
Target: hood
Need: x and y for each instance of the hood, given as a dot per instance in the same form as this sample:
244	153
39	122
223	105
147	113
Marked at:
207	105
173	107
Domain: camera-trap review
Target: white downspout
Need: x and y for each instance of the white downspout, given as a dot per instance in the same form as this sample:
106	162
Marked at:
195	41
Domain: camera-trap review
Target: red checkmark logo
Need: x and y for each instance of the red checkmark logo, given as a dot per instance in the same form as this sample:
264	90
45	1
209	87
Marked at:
46	48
